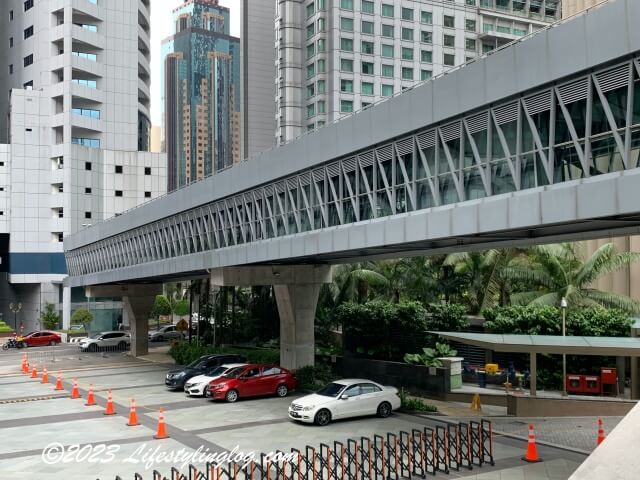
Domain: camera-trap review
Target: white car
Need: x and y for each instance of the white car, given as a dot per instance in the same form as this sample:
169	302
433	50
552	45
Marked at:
106	340
351	397
167	332
197	385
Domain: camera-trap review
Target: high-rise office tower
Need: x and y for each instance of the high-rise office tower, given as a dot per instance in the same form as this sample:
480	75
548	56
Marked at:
74	124
201	93
571	7
257	73
337	56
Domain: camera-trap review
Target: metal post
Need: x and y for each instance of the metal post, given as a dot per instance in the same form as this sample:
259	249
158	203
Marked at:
563	307
533	373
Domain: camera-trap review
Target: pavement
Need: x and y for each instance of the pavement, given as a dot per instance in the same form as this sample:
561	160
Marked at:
33	417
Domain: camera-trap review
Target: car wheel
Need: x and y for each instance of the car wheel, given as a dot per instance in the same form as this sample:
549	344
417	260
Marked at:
231	396
323	417
282	390
384	409
122	346
93	347
5	346
52	343
159	338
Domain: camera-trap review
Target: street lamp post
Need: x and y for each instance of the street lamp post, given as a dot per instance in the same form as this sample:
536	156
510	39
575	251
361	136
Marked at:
15	308
563	307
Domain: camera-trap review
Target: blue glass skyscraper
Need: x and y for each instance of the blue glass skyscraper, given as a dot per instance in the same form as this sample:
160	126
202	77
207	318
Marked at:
201	93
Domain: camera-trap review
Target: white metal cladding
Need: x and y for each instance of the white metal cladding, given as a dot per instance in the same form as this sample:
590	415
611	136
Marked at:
587	126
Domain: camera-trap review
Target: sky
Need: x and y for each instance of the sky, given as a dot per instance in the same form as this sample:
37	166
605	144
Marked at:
162	27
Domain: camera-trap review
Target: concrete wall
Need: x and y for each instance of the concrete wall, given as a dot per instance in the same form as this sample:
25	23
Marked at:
521	406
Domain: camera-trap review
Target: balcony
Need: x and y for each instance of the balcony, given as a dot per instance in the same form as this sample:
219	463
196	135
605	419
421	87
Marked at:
94	10
143	64
144	38
82	91
86	123
144	10
82	35
85	65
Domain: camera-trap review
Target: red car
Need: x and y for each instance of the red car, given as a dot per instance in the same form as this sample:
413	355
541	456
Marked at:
39	339
251	381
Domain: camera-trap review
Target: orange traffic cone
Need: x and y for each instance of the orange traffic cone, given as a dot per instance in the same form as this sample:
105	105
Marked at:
74	391
58	382
25	367
90	399
601	435
532	449
109	410
45	376
24	360
34	372
133	417
162	431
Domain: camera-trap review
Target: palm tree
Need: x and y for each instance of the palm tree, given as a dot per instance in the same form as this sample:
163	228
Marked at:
354	282
556	271
483	273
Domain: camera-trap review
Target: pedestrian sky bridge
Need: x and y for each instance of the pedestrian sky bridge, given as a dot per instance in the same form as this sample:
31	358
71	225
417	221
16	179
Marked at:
537	142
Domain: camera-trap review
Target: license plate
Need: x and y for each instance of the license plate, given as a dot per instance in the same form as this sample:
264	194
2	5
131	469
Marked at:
295	414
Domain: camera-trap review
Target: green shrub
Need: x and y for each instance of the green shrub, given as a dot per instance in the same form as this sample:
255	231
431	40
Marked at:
311	378
4	328
430	357
184	353
412	404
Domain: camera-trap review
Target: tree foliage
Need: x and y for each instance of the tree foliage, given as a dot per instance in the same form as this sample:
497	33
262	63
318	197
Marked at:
161	306
49	317
82	316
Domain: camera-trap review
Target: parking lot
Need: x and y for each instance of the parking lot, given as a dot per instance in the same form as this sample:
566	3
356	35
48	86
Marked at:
34	416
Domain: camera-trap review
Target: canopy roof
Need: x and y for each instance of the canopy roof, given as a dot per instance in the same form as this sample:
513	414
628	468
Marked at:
610	346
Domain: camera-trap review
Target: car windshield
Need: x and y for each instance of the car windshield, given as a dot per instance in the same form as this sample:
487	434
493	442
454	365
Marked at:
199	363
217	371
331	390
96	336
234	372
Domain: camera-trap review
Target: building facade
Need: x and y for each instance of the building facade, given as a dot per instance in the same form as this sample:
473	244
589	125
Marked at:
201	93
571	7
337	56
74	124
257	73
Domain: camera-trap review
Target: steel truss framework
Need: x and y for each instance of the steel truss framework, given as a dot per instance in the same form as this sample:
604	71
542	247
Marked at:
587	126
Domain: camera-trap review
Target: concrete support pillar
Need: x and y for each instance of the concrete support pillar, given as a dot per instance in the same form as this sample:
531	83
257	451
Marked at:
297	288
66	308
533	374
297	308
137	302
621	367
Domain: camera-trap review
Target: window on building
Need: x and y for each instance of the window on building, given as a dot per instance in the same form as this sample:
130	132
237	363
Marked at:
118	168
118	193
321	86
426	56
321	107
387	10
471	3
60	237
367	68
28	60
28	85
426	37
346	106
311	110
311	70
87	165
366	6
449	21
367	48
346	85
407	53
367	27
487	47
311	90
387	90
87	190
87	56
366	88
311	9
10	42
61	213
28	5
321	66
449	41
503	29
520	32
320	4
470	44
346	4
147	170
322	45
407	13
311	30
470	25
11	15
387	70
87	214
147	194
425	75
487	27
321	24
449	59
311	50
346	65
387	30
407	73
346	44
407	34
387	51
346	24
11	69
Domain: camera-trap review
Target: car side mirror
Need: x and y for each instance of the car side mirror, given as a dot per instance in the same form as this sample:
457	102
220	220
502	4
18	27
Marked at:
344	396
